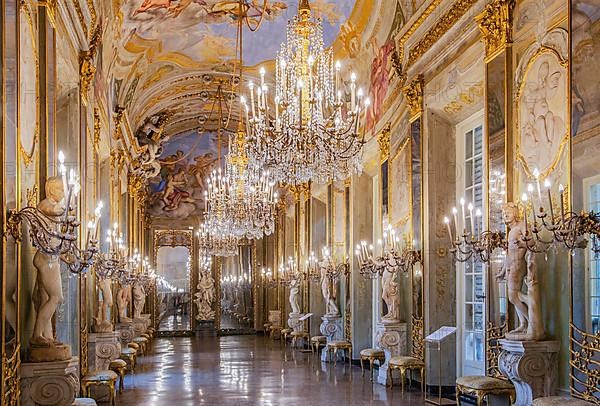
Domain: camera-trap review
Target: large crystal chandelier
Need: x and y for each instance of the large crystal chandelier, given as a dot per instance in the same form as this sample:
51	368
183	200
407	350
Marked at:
217	242
240	200
313	132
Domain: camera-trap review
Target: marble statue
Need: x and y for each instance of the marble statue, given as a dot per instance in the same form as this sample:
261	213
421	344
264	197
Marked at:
294	295
123	298
102	321
205	297
328	290
519	266
43	344
139	300
391	296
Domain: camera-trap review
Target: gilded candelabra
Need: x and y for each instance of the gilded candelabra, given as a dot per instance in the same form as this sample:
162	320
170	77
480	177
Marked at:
56	234
393	257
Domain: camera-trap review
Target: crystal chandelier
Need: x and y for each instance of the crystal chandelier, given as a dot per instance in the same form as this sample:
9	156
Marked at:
240	200
314	134
217	242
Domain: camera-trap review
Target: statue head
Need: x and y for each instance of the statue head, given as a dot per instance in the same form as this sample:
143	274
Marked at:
54	188
510	212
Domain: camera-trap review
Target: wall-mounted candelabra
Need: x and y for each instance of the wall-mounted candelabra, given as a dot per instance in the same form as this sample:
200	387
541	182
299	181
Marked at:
293	270
545	228
334	267
53	224
110	264
393	257
267	277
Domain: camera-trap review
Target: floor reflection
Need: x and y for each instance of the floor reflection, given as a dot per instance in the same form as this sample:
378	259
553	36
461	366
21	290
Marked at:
248	370
175	322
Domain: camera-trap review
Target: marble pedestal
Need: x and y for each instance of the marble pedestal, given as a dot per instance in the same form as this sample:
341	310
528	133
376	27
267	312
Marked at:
532	366
126	332
294	321
104	348
332	327
390	336
49	383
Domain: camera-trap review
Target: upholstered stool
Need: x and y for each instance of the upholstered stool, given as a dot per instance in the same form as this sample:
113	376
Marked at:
146	336
275	332
372	355
141	341
84	402
406	363
482	386
119	367
100	378
129	355
267	327
285	332
299	335
334	346
317	342
136	347
558	400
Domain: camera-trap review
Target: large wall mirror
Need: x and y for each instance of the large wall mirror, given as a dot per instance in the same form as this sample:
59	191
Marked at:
173	263
237	301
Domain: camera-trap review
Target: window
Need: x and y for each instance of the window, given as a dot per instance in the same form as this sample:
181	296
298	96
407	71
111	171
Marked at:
471	274
592	202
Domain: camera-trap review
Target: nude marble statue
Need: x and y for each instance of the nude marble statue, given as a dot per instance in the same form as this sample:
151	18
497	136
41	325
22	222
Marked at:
43	343
520	267
328	290
102	321
139	300
390	295
294	293
123	299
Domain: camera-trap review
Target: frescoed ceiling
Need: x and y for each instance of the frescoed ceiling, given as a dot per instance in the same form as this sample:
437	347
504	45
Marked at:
174	56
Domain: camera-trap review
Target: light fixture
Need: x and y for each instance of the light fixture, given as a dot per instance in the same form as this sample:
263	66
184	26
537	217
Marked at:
313	132
217	242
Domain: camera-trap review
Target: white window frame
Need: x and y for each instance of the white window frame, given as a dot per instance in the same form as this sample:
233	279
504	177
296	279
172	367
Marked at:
462	366
587	183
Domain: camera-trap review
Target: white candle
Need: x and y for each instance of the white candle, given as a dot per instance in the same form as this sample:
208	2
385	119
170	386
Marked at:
353	90
472	218
338	66
447	221
454	214
561	190
462	207
251	86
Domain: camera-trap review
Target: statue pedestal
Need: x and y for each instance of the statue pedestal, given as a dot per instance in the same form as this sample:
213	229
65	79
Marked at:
390	336
332	327
104	348
532	366
206	329
140	325
294	322
49	383
126	332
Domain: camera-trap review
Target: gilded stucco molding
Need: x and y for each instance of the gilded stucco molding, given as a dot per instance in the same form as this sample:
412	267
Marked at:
413	92
87	68
50	6
383	139
458	10
495	23
97	129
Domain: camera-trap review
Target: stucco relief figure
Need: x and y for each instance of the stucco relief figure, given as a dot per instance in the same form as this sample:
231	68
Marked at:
520	267
139	300
123	299
102	321
294	295
49	285
328	290
205	297
391	296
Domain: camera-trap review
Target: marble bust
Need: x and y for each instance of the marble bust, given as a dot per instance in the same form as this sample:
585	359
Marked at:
520	268
43	344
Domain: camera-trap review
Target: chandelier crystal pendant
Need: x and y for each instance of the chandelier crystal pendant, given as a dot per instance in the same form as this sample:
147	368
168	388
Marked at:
313	133
217	242
240	200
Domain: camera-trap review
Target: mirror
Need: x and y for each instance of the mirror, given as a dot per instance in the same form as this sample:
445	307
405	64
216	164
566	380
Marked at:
237	292
173	267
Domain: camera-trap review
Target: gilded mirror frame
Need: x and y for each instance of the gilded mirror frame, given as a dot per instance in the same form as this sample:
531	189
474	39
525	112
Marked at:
174	238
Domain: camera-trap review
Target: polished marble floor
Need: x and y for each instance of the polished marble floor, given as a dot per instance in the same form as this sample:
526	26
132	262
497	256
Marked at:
249	371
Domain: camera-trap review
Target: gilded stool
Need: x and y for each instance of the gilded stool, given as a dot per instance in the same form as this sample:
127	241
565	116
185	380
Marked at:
142	342
275	332
334	346
100	378
405	363
129	355
136	347
559	400
482	386
372	355
84	402
317	342
285	332
267	327
119	367
299	335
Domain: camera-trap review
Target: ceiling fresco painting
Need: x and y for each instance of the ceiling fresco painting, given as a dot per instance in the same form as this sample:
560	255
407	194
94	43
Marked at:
186	161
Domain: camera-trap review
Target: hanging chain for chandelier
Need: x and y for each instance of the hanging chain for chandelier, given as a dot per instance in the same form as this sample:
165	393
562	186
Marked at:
240	198
314	134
